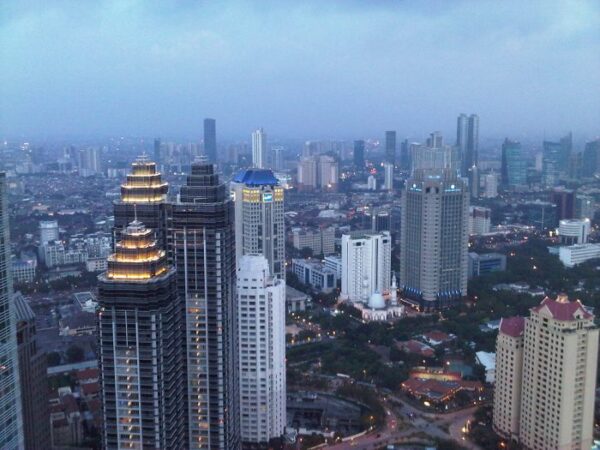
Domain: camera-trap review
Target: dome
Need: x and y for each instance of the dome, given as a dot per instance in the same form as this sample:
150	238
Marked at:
376	301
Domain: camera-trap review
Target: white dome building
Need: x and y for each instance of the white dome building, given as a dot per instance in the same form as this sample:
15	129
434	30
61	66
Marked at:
377	309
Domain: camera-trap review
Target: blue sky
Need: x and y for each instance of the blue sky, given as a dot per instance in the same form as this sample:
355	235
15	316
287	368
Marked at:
303	69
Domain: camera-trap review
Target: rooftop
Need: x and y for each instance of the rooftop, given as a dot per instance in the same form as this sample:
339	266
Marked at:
563	309
512	326
256	177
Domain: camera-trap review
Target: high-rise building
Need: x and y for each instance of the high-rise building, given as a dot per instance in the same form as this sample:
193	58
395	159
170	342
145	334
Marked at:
555	159
157	152
574	231
210	140
467	141
381	220
564	199
202	247
390	147
143	198
514	165
259	149
479	220
32	375
490	181
405	162
307	173
555	383
139	326
388	176
434	238
11	424
277	156
462	129
591	159
48	231
366	264
262	377
327	173
259	218
509	376
425	157
359	154
90	162
435	140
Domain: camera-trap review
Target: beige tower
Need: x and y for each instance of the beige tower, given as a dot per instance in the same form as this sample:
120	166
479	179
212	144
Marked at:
558	380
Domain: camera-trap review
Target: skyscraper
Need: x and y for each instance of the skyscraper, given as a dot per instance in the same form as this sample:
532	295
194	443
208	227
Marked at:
390	147
434	238
405	162
157	153
366	264
210	140
259	149
591	158
139	334
261	313
555	160
11	425
143	197
48	231
277	158
435	140
359	154
549	402
202	247
33	379
462	129
388	173
259	218
307	173
514	165
327	173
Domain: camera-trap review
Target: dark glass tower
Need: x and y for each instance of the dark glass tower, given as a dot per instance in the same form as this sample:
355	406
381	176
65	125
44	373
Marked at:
139	333
202	246
210	140
359	154
514	165
390	147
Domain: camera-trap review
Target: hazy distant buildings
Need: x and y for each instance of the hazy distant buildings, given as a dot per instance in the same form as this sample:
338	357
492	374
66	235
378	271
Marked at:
259	218
555	160
490	182
11	424
90	162
546	376
564	199
591	158
425	157
390	147
434	238
319	241
210	140
479	220
405	162
262	377
307	174
48	231
514	165
366	265
388	176
259	149
277	157
318	172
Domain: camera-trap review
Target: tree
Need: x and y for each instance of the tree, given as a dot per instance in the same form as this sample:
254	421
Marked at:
75	354
53	359
306	252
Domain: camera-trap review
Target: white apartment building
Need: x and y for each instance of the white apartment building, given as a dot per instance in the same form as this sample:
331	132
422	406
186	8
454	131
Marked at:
261	324
490	181
366	265
48	231
556	390
388	176
574	231
259	149
571	255
318	240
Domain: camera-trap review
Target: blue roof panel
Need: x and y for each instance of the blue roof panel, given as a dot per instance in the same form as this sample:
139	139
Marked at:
256	177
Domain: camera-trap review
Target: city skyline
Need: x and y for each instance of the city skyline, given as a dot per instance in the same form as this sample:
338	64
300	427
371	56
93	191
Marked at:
216	61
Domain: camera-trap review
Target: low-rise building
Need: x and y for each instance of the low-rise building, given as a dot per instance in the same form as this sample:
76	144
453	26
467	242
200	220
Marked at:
488	361
295	300
23	271
572	255
480	264
315	274
320	241
334	263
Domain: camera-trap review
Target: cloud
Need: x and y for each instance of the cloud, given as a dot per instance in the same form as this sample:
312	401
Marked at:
302	69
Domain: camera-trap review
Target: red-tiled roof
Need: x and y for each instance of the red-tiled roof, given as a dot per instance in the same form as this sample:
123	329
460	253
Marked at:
512	326
439	336
417	347
87	374
90	388
562	309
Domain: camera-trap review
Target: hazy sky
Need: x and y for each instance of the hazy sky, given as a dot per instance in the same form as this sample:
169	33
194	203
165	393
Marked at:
306	69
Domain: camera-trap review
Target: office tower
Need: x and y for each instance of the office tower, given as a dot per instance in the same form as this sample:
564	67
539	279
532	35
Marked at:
490	181
550	163
259	149
11	425
259	218
405	162
514	165
479	220
591	159
564	199
366	265
310	149
381	220
388	176
574	231
210	140
48	231
139	326
462	129
434	238
372	183
32	375
575	166
261	317
157	154
425	157
202	246
90	162
277	158
585	206
327	173
471	157
143	198
558	380
307	174
435	140
509	376
390	147
359	154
